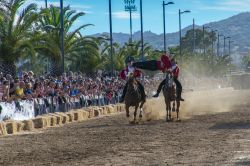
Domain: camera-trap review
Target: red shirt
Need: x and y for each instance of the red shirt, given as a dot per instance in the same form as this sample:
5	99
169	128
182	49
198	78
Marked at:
164	63
124	72
176	72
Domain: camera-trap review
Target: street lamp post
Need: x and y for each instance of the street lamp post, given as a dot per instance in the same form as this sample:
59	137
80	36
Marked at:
130	7
46	4
229	47
193	36
164	24
224	47
203	38
213	31
111	37
142	40
218	44
181	12
47	59
62	33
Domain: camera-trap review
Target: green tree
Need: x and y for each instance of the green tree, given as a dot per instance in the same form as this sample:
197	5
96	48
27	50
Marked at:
16	32
76	46
187	40
134	49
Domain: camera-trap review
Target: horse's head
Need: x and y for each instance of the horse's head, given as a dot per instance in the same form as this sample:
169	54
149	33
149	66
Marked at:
169	79
131	79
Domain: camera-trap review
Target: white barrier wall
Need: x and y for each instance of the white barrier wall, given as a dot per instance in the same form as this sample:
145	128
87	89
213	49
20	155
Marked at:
23	110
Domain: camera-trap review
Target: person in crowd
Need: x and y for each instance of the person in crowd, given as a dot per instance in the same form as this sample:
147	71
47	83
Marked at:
93	90
29	91
6	88
19	92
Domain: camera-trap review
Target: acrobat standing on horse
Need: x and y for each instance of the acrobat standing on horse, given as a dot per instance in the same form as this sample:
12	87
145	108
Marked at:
136	73
164	64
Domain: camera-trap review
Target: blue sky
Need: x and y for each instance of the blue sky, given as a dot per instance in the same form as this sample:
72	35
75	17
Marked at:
203	11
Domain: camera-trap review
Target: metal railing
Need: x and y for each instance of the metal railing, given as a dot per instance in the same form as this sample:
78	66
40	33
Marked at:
27	109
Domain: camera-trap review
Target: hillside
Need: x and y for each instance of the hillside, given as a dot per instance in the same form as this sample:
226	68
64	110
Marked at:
237	27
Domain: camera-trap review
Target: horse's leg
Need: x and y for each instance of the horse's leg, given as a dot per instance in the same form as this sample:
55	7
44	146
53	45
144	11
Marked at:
173	107
170	117
127	111
166	102
141	110
135	113
177	109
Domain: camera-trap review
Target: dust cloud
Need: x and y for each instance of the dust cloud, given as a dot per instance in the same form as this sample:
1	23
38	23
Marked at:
199	103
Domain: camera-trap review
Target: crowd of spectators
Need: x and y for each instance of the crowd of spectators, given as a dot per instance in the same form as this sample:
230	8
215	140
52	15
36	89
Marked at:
28	86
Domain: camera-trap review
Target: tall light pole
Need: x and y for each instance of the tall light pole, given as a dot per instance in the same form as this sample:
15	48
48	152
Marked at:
224	47
229	47
218	44
46	4
229	53
213	31
164	23
62	33
130	7
203	38
111	37
180	13
142	40
193	36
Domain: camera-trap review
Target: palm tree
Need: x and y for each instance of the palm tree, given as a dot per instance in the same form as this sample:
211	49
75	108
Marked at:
75	45
118	56
134	49
86	58
15	33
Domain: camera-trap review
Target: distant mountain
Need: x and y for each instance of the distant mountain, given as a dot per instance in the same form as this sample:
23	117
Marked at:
237	27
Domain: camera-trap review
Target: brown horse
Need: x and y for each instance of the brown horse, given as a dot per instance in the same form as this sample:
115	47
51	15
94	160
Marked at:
133	97
169	93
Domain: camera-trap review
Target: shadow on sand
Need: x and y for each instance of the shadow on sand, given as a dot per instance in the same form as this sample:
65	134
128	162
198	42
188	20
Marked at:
231	125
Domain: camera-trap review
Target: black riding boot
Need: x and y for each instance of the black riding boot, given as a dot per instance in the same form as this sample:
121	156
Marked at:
123	93
178	89
159	88
143	94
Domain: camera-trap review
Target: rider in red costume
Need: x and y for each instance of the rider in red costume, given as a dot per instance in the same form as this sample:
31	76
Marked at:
164	64
125	73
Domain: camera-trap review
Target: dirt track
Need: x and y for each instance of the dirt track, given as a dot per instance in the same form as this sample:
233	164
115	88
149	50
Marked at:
210	138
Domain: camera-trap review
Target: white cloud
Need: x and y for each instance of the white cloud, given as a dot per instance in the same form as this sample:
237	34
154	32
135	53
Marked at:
228	5
125	15
78	8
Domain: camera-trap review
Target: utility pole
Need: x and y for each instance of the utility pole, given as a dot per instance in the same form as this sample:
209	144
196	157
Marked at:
229	47
224	47
62	33
111	37
218	45
164	23
204	45
213	31
193	36
180	13
130	7
142	39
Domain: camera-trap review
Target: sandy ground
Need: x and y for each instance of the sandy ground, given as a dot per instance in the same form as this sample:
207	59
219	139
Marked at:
215	130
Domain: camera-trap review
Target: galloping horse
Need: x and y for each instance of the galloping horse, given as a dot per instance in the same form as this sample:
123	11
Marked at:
169	93
133	97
